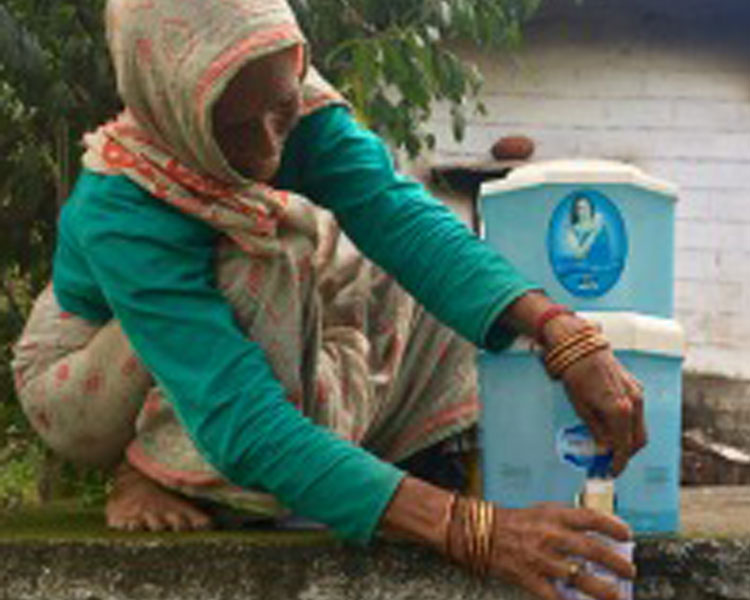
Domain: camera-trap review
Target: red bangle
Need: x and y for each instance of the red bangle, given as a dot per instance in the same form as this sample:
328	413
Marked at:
552	312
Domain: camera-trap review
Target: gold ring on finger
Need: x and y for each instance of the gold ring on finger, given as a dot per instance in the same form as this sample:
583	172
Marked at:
574	570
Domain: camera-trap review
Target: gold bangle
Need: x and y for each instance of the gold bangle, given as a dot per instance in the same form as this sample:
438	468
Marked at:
556	368
583	345
469	539
480	533
490	532
574	352
570	341
477	543
486	514
478	520
560	351
450	507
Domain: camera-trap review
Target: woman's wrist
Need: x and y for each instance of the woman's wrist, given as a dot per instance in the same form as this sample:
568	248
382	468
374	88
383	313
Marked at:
421	512
560	328
530	315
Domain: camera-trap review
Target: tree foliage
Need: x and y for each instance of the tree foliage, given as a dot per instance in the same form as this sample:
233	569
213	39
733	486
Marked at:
55	82
393	59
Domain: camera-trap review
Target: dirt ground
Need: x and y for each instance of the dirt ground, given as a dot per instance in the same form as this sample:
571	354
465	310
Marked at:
717	511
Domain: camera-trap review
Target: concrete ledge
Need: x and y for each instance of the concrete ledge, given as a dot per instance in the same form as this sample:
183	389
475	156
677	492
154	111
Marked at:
229	571
684	569
74	558
234	570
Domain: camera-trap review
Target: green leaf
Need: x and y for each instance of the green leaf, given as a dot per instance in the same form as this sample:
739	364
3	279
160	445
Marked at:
458	122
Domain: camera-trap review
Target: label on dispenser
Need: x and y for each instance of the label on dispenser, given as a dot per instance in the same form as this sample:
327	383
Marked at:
587	243
577	447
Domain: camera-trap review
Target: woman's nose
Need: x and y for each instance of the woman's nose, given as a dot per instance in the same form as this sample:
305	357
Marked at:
269	137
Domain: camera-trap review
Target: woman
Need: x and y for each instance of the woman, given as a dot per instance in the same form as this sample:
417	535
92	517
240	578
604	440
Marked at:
587	234
224	122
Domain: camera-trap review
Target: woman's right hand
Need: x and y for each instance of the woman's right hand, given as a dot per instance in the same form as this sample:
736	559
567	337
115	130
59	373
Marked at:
533	547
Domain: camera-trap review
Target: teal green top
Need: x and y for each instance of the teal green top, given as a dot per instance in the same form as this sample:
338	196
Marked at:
123	253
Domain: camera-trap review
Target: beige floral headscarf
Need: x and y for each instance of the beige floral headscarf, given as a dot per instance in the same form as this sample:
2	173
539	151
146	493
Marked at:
173	59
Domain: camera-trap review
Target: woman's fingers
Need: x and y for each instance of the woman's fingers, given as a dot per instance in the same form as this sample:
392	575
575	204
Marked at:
539	547
628	418
618	411
621	424
585	519
541	587
596	587
595	423
610	400
640	435
592	549
559	569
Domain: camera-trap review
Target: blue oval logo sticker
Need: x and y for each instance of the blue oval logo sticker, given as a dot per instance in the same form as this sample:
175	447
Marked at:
587	243
576	447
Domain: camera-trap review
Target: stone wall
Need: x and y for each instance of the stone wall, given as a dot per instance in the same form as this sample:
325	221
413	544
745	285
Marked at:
719	407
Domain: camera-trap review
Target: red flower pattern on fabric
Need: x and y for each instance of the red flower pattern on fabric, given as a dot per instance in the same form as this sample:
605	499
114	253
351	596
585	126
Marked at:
145	50
130	366
93	383
63	373
115	156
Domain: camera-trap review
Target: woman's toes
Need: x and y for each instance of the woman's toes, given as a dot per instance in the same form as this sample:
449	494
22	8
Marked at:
201	523
154	522
137	503
176	521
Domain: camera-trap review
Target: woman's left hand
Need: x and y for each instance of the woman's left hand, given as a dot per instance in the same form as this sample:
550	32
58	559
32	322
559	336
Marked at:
610	401
603	393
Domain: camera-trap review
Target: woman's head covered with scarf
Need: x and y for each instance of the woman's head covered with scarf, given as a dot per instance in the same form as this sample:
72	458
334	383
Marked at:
174	58
211	88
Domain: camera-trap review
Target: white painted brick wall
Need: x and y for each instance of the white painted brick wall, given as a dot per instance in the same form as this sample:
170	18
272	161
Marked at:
669	91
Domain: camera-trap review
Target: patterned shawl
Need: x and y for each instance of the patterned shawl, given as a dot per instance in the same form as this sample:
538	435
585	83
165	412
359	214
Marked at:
173	59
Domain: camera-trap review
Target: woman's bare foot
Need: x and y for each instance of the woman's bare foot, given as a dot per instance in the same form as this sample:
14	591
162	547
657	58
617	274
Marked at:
136	503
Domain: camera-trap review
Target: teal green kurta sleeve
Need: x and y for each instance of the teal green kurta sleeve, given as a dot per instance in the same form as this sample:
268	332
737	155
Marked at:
400	226
154	268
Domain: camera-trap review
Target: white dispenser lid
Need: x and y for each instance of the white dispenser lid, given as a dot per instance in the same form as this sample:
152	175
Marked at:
640	333
579	171
632	331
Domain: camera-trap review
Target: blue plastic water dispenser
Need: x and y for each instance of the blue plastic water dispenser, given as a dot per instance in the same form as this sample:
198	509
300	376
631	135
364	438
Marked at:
598	236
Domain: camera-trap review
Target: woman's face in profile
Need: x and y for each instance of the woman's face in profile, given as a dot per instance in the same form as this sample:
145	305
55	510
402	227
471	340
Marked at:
256	112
